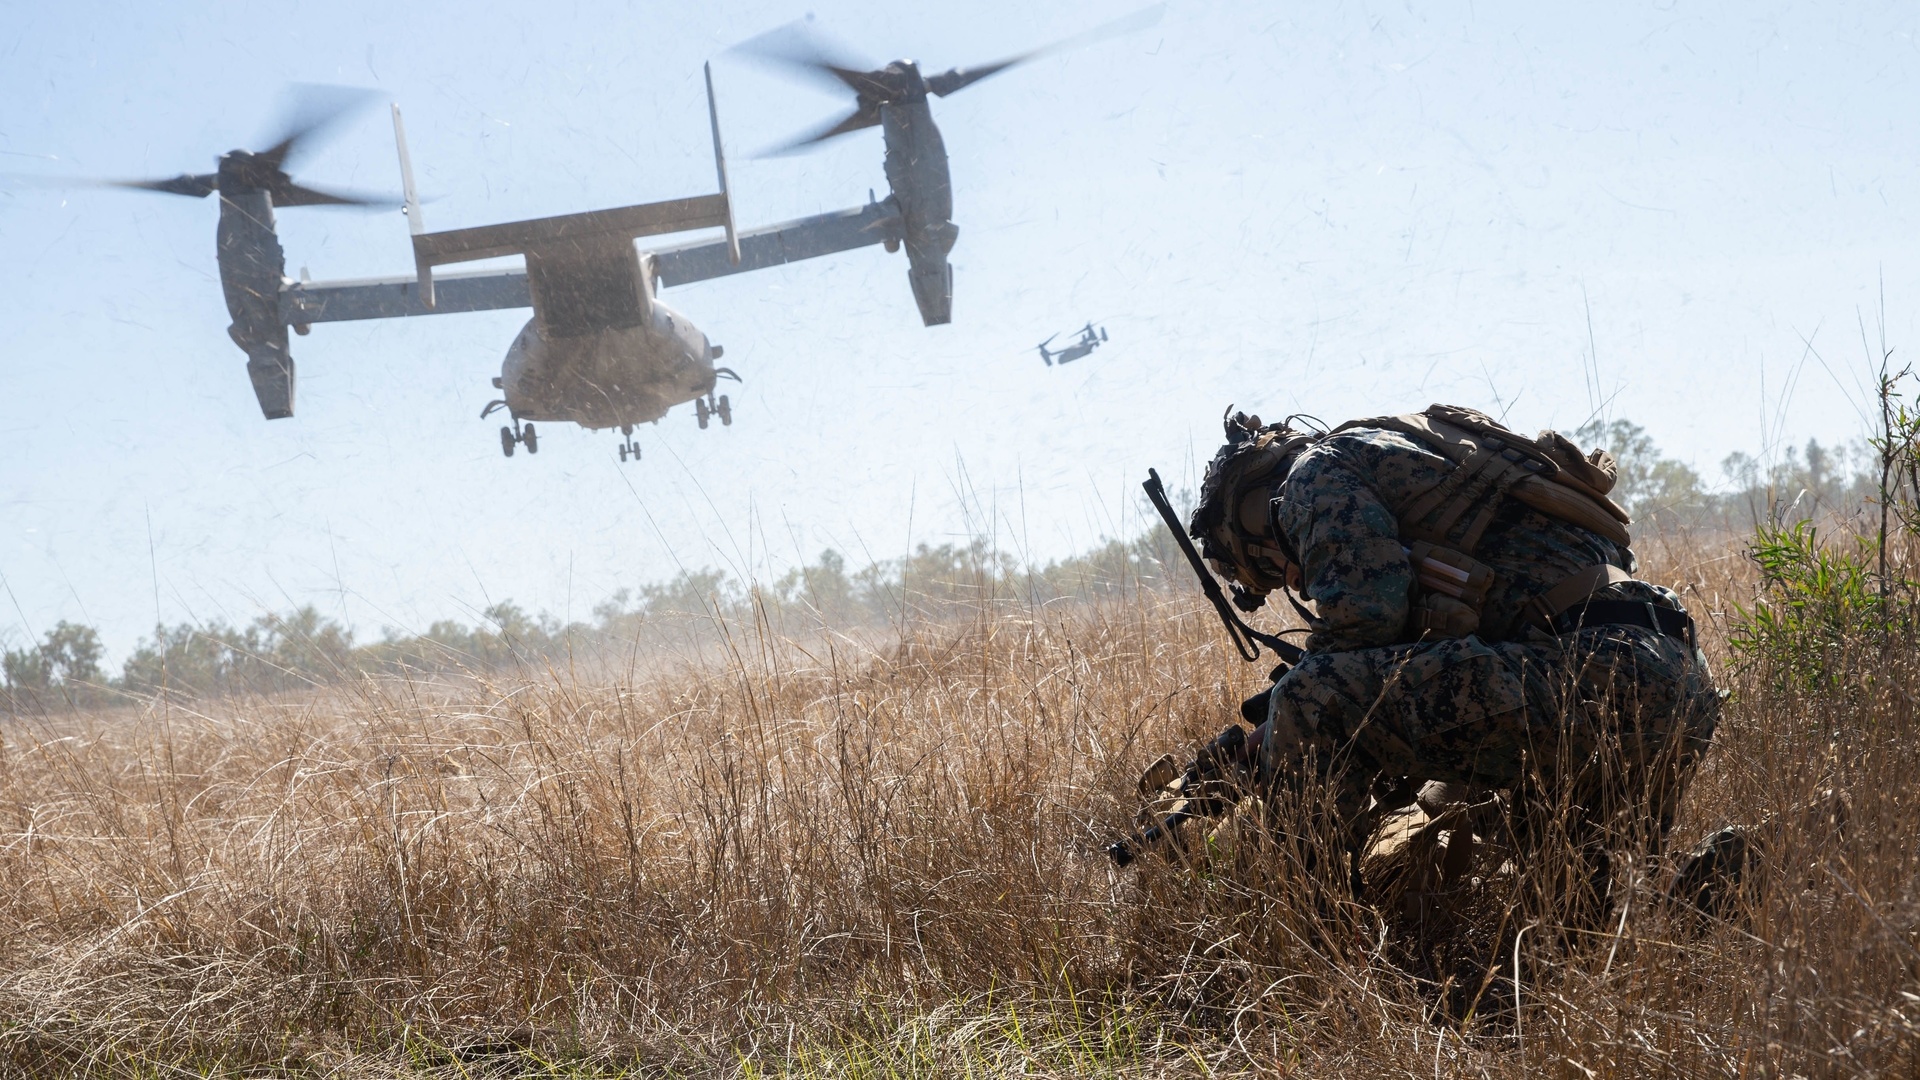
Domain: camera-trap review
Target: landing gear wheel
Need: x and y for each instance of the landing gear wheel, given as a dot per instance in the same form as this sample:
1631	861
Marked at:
725	411
623	451
506	441
532	440
701	412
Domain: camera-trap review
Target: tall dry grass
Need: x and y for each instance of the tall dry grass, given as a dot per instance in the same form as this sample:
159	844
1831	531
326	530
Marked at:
812	856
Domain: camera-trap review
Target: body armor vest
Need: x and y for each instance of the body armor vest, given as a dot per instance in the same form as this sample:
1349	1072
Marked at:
1442	525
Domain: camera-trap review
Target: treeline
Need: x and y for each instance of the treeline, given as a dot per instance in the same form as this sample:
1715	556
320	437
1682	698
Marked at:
281	652
304	648
1812	483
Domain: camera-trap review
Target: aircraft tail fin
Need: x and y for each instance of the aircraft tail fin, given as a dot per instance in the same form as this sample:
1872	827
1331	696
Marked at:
720	167
412	205
416	224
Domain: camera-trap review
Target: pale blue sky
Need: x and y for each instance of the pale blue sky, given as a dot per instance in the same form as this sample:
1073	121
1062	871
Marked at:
1343	209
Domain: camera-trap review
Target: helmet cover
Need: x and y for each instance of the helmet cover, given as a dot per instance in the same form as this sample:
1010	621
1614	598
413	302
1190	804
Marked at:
1231	520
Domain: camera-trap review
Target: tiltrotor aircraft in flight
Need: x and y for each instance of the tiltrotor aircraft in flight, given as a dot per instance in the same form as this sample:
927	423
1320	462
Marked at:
601	349
1090	337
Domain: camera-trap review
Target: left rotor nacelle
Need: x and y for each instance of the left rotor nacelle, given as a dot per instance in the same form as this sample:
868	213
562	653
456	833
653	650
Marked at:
252	271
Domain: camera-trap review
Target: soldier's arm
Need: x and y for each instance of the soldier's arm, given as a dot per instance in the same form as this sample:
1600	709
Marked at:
1348	541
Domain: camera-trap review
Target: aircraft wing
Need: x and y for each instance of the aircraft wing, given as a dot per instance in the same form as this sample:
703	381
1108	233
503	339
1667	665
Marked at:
306	302
774	245
582	271
303	303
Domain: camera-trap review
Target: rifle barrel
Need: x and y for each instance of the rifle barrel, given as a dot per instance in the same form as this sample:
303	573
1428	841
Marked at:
1245	638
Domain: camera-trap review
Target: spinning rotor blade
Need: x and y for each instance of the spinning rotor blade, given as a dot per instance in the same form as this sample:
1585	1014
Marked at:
799	48
806	52
960	78
865	116
192	186
311	109
292	194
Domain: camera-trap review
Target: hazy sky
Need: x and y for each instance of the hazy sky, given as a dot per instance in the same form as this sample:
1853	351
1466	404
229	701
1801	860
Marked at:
1341	209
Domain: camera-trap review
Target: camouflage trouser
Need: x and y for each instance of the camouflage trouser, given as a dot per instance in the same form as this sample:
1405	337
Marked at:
1609	719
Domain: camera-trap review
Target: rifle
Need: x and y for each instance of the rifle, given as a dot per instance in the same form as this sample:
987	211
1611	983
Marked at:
1245	638
1210	785
1207	788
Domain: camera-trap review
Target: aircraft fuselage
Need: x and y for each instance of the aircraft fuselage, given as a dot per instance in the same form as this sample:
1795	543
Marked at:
616	377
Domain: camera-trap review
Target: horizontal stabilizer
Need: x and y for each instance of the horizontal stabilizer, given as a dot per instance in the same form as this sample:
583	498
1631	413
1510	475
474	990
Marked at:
569	237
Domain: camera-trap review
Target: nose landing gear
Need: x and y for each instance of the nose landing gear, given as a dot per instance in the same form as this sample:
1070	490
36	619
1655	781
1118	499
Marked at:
519	433
629	448
710	406
522	434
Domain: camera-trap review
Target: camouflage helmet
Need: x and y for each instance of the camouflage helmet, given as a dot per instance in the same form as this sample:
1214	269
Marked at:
1231	520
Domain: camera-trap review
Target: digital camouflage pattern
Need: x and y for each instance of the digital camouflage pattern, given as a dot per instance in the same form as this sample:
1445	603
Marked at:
1370	700
1624	700
1335	510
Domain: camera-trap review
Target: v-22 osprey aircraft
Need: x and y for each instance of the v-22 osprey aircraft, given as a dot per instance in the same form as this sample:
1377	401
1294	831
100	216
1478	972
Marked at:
1090	338
601	349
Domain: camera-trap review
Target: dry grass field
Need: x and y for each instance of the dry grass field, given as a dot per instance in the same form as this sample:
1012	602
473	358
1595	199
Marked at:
800	854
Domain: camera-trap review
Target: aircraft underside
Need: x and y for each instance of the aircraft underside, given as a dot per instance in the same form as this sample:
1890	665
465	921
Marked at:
614	378
611	379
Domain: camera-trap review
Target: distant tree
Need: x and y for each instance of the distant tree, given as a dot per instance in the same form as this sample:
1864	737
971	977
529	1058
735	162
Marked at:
274	652
27	669
691	592
1649	485
1800	485
517	636
300	646
822	588
68	654
954	572
75	651
183	658
66	664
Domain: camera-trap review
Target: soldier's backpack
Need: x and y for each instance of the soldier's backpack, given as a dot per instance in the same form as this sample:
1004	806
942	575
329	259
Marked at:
1491	463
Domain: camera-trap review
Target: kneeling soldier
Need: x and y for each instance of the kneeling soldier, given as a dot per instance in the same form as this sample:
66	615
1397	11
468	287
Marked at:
1474	620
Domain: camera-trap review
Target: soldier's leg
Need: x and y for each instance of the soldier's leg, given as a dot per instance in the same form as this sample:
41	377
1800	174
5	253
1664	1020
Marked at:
1618	719
1636	710
1593	732
1309	713
1445	710
1460	710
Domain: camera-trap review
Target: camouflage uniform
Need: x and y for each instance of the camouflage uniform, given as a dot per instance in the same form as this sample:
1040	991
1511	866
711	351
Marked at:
1510	705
